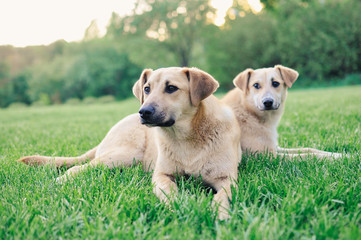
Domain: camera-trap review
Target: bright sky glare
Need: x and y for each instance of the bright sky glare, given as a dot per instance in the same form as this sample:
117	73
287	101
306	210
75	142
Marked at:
221	7
37	22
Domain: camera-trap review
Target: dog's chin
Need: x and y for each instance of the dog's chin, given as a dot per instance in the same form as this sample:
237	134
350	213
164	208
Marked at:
168	123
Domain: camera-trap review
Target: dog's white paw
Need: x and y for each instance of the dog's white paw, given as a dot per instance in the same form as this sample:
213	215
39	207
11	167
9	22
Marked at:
60	180
336	155
223	215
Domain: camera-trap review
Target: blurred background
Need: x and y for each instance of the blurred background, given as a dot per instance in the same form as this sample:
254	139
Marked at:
54	52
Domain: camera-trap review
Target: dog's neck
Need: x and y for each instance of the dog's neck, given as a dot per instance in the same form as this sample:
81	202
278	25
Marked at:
191	126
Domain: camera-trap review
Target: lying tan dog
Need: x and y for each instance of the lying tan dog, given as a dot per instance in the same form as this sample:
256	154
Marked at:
183	130
258	102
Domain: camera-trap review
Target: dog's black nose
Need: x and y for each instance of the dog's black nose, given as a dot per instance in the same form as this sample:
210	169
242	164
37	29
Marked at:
146	112
268	103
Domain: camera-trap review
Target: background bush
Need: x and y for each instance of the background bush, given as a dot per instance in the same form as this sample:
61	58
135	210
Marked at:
321	40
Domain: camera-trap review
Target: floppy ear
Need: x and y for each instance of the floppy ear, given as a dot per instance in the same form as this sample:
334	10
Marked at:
138	85
288	75
242	79
201	84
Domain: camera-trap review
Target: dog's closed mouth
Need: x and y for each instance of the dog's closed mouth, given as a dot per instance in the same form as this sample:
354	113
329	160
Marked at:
168	123
272	108
269	109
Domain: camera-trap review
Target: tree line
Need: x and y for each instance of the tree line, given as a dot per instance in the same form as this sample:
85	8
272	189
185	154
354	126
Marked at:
319	38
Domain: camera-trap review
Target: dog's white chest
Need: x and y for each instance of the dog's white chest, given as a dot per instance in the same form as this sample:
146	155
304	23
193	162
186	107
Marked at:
189	161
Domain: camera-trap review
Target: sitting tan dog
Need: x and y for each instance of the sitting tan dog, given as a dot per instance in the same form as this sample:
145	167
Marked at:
258	102
183	129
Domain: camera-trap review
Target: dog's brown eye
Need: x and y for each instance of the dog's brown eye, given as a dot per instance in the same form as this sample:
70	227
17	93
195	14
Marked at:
147	90
171	89
256	86
275	84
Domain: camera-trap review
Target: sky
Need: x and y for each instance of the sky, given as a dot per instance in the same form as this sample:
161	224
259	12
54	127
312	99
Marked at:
41	22
36	22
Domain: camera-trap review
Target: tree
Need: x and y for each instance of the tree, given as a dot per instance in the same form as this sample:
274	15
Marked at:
245	42
4	85
92	32
4	72
19	89
274	4
175	25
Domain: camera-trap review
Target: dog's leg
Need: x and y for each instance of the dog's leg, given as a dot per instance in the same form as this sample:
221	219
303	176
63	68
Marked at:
294	152
117	158
300	150
223	187
305	155
164	186
58	161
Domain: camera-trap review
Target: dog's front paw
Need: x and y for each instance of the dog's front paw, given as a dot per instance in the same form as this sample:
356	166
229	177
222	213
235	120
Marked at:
223	215
61	180
337	155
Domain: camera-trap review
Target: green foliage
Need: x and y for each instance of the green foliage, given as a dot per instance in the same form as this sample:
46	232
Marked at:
73	101
111	72
94	68
17	105
273	5
20	88
353	79
252	45
89	100
12	89
106	99
92	32
5	85
4	72
275	199
175	25
320	40
43	100
350	79
47	79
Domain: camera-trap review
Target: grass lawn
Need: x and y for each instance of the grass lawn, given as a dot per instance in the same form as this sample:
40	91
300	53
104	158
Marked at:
276	199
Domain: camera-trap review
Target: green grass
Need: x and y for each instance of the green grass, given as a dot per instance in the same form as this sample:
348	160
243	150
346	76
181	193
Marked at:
276	199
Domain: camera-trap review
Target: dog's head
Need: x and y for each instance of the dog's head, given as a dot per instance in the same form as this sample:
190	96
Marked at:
266	88
167	94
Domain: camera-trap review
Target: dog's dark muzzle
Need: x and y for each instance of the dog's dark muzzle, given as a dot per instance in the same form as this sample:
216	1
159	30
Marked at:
150	117
146	113
268	104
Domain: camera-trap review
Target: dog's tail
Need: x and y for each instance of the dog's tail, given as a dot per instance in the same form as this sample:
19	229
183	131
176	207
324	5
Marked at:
58	161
